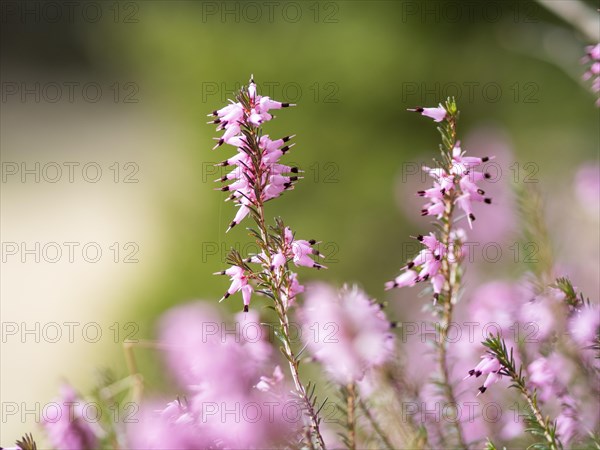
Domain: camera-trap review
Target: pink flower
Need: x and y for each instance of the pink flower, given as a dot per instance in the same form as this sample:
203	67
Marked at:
542	377
203	350
437	114
584	326
408	278
345	331
239	282
258	177
566	427
424	266
300	251
460	181
70	429
267	383
490	366
221	369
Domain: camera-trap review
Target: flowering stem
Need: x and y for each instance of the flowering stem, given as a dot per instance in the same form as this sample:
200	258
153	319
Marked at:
539	425
450	271
256	179
281	307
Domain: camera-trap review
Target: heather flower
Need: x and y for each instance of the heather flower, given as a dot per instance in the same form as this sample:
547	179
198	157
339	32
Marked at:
454	187
542	377
239	282
437	114
70	429
345	331
426	265
408	278
490	366
300	251
454	184
459	181
257	177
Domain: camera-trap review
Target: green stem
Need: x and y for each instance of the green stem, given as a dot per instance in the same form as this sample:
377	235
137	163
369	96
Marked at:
537	413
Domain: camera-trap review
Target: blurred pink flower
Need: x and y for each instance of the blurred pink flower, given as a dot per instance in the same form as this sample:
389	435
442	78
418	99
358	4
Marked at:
202	349
229	402
157	427
267	383
69	428
495	303
541	376
345	331
587	188
584	326
545	314
566	427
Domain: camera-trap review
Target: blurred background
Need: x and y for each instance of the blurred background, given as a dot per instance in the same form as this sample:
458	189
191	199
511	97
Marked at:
108	214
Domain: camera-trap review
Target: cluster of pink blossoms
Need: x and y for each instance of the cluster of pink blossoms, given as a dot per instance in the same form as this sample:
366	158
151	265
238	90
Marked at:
460	180
453	185
298	251
258	177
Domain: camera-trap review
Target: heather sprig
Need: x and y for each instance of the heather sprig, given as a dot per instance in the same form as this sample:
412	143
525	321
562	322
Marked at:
572	299
539	425
454	187
258	177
